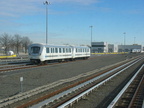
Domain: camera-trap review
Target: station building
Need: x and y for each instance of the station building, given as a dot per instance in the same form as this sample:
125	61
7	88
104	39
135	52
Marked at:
111	48
104	47
99	47
129	48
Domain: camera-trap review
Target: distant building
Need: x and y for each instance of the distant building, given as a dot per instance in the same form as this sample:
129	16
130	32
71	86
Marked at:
104	47
129	48
111	48
99	47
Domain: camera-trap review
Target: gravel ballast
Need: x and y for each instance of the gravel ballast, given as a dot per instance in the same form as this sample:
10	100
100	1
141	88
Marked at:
35	77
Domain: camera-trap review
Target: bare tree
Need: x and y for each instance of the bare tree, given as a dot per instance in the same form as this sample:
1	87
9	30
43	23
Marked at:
26	42
14	43
5	41
17	42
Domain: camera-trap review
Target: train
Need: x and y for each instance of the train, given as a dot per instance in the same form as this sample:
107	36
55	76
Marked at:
41	53
136	51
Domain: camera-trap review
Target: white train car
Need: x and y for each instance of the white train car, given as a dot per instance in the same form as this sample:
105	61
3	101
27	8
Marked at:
136	51
40	53
81	52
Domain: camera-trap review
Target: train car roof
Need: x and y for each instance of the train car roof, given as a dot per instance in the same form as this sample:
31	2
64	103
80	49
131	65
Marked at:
41	44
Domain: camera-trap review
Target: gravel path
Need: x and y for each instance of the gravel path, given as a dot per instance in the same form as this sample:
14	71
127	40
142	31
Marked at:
35	77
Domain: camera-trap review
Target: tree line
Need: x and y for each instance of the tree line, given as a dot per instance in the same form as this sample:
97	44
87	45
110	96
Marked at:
15	43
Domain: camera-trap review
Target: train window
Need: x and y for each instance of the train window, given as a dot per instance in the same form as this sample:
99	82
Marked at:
35	49
52	50
84	50
69	49
87	50
56	50
47	50
63	50
60	51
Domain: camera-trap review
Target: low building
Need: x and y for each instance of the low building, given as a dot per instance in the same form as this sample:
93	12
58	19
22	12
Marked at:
129	48
111	48
99	47
104	47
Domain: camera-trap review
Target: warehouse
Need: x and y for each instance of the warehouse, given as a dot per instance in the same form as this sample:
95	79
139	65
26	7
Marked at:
99	47
104	47
129	48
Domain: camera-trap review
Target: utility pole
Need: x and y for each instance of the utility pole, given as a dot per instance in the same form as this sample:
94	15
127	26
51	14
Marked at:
124	40
134	39
91	34
46	3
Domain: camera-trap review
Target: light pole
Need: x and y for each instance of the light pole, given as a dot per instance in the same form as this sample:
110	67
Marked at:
91	36
134	39
46	3
124	40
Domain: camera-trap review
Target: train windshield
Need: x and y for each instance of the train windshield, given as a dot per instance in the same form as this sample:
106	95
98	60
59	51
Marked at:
35	50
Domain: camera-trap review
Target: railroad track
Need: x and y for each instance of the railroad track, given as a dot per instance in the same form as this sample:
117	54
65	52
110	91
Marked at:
76	91
13	61
84	93
19	65
8	68
132	94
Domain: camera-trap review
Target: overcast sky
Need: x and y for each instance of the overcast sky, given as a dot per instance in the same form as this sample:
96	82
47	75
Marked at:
69	20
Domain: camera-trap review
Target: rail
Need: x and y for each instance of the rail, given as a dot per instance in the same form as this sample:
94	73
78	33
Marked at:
91	89
19	97
76	98
137	100
117	98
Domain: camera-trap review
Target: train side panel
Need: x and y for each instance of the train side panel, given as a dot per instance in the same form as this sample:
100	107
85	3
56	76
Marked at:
82	52
58	52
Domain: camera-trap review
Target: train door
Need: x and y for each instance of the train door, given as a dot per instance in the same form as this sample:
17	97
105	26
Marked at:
73	52
52	53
